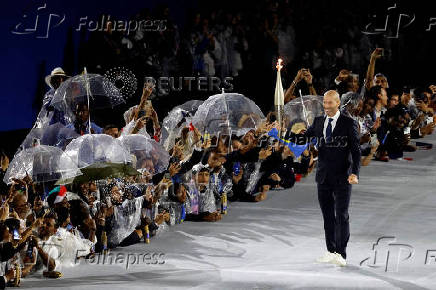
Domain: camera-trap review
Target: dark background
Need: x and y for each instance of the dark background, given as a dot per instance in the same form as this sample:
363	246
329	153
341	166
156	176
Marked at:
320	27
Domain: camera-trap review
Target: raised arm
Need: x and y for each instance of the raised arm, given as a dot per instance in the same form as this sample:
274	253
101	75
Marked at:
307	76
377	53
146	92
289	94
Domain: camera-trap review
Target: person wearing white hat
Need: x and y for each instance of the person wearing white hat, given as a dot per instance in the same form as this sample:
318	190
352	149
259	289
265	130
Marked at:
49	115
55	78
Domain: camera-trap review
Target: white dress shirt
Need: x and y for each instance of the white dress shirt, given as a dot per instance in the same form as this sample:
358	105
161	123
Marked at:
326	122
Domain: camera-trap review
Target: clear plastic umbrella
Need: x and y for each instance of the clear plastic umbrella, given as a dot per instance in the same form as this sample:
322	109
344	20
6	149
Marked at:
50	135
32	138
179	117
92	148
53	135
63	137
227	113
148	154
42	163
102	93
295	112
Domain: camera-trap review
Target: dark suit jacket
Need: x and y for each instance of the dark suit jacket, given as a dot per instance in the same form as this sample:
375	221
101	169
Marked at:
338	159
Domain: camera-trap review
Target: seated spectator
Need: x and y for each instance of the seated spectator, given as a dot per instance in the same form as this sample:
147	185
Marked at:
201	197
111	130
424	123
378	94
394	140
60	244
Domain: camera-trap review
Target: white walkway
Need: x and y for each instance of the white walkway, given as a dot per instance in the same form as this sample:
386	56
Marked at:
273	244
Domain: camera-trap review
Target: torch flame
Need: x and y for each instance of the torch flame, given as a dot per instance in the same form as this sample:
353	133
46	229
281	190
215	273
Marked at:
279	65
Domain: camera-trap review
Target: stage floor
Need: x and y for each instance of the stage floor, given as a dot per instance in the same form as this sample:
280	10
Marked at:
274	244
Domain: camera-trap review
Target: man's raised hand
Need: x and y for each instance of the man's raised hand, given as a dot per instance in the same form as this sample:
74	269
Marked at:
147	90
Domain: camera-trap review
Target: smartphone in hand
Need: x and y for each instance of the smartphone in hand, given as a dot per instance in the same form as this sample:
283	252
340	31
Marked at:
16	235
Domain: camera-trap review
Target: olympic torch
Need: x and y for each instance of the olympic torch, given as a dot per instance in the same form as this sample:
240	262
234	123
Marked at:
279	96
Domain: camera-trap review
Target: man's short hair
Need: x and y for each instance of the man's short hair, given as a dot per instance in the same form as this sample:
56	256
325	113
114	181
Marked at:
419	94
110	126
52	215
374	92
380	75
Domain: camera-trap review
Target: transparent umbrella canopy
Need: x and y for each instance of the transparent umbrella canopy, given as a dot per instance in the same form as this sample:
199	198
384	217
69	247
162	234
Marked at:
42	163
148	154
227	113
101	91
32	137
295	112
92	148
53	135
179	117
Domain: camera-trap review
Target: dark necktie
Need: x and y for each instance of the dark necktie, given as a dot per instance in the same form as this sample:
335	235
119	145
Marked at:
328	131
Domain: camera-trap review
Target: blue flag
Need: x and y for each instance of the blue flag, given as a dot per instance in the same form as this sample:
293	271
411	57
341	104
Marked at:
296	149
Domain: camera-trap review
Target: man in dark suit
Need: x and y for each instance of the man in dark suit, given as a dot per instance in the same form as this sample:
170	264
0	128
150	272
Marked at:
338	168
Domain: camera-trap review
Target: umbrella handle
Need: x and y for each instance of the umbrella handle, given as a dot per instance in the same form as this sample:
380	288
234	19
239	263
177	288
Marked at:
87	97
304	109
